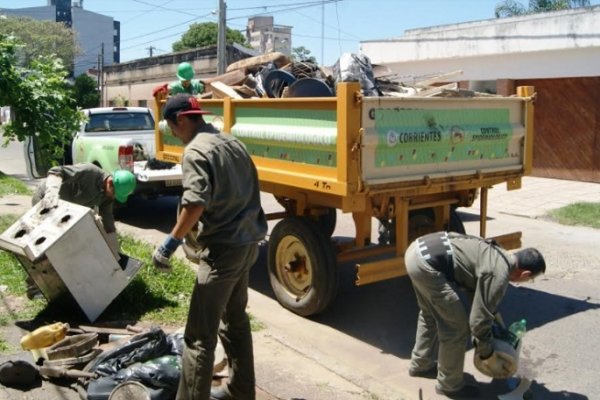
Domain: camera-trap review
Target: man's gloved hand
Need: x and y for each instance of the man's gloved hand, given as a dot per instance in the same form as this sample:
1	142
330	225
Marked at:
113	243
163	253
51	197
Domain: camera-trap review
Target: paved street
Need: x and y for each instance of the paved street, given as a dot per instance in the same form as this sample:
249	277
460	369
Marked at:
359	348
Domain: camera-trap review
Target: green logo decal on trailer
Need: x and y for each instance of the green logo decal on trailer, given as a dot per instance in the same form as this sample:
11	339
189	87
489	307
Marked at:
409	137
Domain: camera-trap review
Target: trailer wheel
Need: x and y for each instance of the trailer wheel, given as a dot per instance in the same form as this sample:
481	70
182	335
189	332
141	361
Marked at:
420	222
327	221
302	266
455	224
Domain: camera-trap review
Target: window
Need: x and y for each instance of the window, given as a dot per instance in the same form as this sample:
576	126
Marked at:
119	121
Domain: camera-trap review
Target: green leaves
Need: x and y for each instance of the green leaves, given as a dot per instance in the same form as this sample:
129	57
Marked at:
510	8
41	100
205	34
86	92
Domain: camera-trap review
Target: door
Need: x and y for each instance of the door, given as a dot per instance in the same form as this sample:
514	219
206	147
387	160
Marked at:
37	167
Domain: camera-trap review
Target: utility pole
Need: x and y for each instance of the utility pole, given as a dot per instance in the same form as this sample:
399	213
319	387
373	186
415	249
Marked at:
221	46
98	70
101	72
150	49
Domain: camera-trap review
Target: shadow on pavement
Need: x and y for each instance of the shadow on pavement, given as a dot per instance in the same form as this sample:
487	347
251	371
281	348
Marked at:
471	216
384	314
159	213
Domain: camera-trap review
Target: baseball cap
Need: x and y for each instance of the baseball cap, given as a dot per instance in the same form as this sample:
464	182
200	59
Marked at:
182	104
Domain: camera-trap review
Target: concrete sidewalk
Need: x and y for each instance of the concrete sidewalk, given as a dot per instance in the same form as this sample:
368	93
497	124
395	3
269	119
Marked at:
537	196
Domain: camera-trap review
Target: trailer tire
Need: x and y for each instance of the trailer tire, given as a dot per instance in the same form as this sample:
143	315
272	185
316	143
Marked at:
327	221
302	266
420	222
455	224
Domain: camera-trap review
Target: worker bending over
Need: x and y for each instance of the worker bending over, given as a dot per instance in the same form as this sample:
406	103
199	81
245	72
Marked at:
437	264
89	186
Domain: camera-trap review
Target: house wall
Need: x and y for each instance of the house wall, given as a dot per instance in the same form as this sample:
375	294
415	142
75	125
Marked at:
557	52
135	80
561	43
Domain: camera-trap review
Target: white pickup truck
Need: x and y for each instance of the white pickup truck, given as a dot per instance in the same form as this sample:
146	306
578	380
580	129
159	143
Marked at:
120	138
123	138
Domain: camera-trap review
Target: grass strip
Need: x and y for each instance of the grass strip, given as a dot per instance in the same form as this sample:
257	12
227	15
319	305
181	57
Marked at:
10	185
580	213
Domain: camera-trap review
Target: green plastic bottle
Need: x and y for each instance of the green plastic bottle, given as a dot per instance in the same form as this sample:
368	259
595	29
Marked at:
518	329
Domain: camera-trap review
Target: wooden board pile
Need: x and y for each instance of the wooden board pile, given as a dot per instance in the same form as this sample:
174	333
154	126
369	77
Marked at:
254	77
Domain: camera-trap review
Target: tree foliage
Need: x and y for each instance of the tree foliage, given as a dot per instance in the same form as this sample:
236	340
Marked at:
205	34
510	8
302	54
86	92
42	38
40	99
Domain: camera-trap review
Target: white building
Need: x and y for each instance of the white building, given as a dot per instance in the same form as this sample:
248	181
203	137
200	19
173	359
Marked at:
265	37
545	45
96	34
556	52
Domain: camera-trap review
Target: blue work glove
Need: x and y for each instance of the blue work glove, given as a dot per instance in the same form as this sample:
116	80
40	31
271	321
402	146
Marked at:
163	253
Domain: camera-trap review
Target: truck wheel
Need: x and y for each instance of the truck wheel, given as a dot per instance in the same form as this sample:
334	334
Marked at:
422	222
326	222
302	266
455	224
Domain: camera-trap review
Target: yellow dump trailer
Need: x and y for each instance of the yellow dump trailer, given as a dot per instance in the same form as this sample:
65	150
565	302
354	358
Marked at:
405	162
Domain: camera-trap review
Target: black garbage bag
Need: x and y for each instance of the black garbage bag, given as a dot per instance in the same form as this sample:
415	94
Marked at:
151	358
175	341
140	348
161	372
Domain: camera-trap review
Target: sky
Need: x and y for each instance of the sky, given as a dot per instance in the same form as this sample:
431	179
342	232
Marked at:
328	28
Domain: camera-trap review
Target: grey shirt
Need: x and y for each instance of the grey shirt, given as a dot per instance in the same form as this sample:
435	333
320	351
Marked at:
83	184
219	175
482	269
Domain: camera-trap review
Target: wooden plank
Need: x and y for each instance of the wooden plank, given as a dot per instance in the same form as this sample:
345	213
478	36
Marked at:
439	78
231	78
246	64
221	90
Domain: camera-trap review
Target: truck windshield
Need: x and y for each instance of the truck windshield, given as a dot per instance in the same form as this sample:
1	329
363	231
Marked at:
121	121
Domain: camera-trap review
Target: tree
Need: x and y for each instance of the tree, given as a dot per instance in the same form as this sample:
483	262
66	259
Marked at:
86	92
41	101
302	54
509	8
43	38
205	34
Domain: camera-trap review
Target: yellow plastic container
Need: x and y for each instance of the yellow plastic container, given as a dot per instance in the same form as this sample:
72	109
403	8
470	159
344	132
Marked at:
44	336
